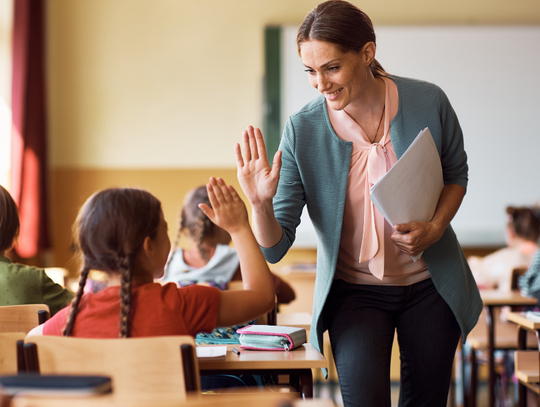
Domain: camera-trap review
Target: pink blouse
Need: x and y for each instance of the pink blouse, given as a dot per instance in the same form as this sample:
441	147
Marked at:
367	254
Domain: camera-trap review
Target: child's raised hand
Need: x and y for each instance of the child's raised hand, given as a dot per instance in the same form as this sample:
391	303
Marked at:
228	210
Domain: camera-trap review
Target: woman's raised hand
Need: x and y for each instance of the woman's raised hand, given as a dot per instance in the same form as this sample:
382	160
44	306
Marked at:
228	211
258	180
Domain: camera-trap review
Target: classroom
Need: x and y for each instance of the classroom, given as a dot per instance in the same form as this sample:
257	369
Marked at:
155	94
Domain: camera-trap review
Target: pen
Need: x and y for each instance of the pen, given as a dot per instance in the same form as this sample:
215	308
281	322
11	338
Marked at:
236	351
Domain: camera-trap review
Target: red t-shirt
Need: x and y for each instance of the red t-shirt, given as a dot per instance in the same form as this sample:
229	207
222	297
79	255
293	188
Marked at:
156	310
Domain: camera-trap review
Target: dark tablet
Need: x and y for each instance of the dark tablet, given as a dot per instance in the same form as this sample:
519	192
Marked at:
57	384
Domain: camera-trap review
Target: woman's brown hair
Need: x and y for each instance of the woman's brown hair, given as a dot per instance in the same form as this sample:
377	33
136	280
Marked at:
193	219
343	24
525	222
109	232
9	220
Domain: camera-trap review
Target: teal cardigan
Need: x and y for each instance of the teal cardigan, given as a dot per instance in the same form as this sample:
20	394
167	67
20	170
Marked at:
314	173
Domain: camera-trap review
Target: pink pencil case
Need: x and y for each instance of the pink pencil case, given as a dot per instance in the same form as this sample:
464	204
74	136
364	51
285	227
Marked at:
271	337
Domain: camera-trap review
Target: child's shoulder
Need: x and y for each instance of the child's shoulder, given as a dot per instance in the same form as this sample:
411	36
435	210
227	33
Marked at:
17	272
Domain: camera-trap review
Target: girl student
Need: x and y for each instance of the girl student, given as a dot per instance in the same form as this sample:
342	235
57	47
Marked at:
210	258
123	233
522	233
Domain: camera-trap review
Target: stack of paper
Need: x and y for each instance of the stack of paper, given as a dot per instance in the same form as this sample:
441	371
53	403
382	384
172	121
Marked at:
410	190
211	351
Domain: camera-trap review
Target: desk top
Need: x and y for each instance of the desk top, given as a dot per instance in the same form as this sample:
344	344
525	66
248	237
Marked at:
502	298
247	399
303	357
520	318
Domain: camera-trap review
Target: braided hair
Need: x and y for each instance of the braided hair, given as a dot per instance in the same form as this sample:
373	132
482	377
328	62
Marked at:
109	232
193	219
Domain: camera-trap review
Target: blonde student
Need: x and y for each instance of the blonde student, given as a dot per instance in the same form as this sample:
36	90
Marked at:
21	284
123	233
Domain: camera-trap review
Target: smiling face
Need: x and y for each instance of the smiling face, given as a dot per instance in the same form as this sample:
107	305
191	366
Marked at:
340	77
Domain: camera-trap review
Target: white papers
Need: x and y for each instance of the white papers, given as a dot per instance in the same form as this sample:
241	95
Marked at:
410	190
211	351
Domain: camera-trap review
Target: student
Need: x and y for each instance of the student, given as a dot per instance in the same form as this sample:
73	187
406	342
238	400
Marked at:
522	233
529	283
20	284
210	258
123	233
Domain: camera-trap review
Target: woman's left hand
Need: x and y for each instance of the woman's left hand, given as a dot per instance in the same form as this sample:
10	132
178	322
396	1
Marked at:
415	237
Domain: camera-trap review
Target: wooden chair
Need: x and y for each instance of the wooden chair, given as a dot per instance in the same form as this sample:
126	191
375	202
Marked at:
22	318
9	358
162	364
505	339
15	322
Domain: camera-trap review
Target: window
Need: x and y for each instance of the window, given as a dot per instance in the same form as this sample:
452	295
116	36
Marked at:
6	12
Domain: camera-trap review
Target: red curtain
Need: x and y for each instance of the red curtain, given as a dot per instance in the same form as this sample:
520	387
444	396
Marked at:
29	133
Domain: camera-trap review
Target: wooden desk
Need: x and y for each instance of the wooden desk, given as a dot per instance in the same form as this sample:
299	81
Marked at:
526	362
491	300
297	364
251	399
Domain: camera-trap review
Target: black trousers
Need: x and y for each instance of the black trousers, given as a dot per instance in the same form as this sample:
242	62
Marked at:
362	320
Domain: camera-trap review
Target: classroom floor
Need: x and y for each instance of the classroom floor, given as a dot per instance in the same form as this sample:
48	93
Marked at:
327	390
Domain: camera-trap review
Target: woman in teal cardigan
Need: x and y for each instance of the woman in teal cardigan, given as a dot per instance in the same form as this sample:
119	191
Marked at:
313	167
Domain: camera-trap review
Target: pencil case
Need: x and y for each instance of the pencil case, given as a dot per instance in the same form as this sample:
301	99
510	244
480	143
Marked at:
271	337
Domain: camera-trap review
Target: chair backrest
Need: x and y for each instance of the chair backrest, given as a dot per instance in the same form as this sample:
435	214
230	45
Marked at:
21	318
162	364
8	352
516	274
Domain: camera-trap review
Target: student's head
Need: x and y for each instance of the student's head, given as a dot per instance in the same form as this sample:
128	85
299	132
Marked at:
523	223
197	225
342	24
9	220
120	231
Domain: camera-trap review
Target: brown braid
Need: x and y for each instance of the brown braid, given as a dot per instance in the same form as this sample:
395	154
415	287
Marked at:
193	219
70	320
181	226
124	267
199	232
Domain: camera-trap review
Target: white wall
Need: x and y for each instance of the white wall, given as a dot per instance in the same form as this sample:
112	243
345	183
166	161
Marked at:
490	74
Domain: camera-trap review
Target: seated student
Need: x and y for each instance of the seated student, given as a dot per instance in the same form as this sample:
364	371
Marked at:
123	233
522	232
210	258
529	283
20	284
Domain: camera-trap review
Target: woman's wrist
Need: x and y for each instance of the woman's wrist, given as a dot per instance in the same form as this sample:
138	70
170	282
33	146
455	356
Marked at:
263	209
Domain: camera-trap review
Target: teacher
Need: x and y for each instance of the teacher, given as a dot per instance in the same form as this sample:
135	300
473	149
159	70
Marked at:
367	284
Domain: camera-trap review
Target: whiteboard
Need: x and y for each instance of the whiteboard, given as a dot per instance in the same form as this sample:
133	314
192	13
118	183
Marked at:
491	75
